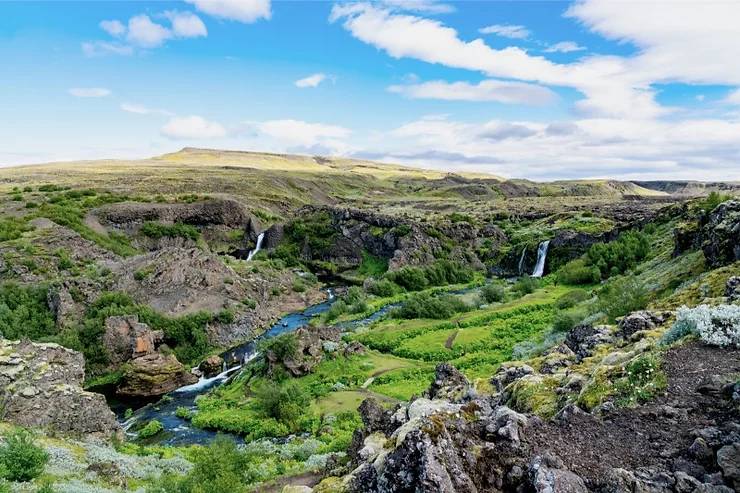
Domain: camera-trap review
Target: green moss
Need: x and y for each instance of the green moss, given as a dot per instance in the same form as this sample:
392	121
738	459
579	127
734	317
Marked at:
597	389
535	396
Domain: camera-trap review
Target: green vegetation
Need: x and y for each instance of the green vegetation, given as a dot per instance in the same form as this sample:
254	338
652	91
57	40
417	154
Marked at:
12	228
287	403
24	312
152	428
20	458
578	272
425	305
621	297
284	346
183	413
711	201
177	230
492	293
372	266
571	299
440	273
641	382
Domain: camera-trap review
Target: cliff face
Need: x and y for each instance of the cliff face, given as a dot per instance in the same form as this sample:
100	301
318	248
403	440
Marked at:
41	386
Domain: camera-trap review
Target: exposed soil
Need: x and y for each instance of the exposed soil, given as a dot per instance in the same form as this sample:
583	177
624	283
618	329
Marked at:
450	340
654	434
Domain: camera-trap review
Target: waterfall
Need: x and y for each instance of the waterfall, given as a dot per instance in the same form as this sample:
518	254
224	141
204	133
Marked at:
224	368
521	260
252	253
539	269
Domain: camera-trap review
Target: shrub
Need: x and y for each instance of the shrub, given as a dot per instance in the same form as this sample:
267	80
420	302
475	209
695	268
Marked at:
250	303
715	325
225	316
383	288
642	382
456	217
286	403
154	230
298	287
24	312
577	272
411	278
424	305
183	413
492	293
570	299
622	297
372	266
284	346
619	256
526	285
565	320
152	428
711	201
317	228
12	228
22	459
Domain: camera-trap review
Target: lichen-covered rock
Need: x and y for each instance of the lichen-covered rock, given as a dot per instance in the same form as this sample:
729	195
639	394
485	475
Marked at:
355	347
154	374
448	383
547	475
41	385
732	289
583	338
509	373
721	235
638	321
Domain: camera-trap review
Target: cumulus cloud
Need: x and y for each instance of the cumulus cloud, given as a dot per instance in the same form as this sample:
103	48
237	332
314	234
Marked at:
311	81
90	92
513	32
246	11
114	27
186	24
733	97
192	127
564	47
145	33
101	48
487	90
140	109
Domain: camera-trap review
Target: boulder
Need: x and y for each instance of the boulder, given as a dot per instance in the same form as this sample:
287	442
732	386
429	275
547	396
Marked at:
583	338
638	321
448	383
153	375
273	236
212	365
355	347
728	458
732	289
125	338
41	385
721	235
309	351
547	475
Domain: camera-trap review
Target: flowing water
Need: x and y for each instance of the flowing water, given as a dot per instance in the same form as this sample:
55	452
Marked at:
257	247
521	261
178	431
539	269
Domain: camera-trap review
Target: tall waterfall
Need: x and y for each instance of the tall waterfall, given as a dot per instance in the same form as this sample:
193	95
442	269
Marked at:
521	260
539	269
252	253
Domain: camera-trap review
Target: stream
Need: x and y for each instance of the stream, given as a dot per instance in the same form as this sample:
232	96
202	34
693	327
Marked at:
179	432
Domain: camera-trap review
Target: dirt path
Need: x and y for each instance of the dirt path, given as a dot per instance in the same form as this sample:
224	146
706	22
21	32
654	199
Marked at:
451	339
654	433
381	398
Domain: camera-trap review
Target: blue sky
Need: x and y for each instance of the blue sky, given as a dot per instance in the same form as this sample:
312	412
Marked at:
542	90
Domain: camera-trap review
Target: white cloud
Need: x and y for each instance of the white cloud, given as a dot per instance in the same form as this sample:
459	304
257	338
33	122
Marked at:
300	133
311	81
114	27
145	33
564	47
101	48
246	11
186	24
733	97
140	109
425	6
90	92
192	127
513	32
487	90
700	98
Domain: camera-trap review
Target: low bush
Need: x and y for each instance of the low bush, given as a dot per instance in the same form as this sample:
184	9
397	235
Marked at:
565	320
570	299
383	288
576	272
440	273
526	285
491	293
424	305
12	228
284	346
154	230
284	402
715	325
152	428
20	458
618	256
621	297
24	312
183	413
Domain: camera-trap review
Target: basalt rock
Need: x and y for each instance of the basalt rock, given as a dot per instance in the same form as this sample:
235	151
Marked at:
583	338
638	321
721	235
448	383
273	236
211	366
41	385
154	374
732	289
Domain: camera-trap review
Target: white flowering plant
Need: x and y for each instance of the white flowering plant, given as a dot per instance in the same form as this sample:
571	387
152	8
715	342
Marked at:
714	325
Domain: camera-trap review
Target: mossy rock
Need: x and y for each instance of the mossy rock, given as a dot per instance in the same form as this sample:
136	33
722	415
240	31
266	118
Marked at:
535	394
330	485
598	388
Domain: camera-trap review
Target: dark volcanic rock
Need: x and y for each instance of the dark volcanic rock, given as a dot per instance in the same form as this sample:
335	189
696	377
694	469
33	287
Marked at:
311	344
273	236
583	338
154	374
732	289
125	338
721	235
448	383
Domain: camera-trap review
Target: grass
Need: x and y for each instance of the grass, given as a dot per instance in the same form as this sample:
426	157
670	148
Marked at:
348	400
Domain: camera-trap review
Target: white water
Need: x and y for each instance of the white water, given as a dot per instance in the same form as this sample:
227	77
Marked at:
521	260
252	253
539	269
204	382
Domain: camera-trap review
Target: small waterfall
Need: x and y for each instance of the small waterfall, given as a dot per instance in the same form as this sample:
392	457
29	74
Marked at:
521	261
539	269
257	248
224	368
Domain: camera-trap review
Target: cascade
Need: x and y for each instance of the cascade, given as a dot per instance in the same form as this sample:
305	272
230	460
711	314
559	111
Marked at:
521	261
539	269
252	253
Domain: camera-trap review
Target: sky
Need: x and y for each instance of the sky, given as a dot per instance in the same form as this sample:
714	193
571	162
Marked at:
538	90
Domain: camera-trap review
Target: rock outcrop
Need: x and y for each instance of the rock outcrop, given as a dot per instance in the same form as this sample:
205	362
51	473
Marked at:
154	374
211	366
311	345
125	338
721	234
41	385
